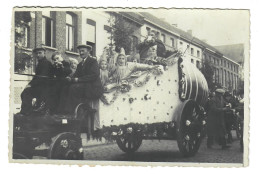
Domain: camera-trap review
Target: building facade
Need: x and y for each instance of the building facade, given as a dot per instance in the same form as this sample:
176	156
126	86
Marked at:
64	30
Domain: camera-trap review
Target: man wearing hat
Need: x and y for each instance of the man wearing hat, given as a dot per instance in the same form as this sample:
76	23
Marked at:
39	85
85	83
216	110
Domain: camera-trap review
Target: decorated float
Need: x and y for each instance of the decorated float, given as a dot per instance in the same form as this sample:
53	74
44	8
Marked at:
164	103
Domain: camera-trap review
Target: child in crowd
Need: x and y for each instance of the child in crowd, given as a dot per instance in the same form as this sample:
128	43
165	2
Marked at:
103	72
73	66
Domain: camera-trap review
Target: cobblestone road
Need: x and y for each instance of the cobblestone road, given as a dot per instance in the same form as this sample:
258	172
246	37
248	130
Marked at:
165	151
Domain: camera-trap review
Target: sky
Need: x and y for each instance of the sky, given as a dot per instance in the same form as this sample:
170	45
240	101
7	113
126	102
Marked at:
217	27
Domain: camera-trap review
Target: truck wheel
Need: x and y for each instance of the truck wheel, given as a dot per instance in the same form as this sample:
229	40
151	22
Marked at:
129	143
190	129
66	146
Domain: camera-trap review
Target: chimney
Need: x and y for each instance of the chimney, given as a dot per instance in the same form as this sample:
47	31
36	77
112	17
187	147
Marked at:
175	25
190	32
204	40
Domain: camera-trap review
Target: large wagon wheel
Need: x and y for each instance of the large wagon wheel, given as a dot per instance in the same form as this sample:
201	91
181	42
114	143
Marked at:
190	129
66	146
129	142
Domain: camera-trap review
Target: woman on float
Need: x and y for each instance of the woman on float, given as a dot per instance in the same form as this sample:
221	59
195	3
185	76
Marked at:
122	70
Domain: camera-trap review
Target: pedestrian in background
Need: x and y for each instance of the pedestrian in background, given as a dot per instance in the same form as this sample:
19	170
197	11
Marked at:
211	122
216	111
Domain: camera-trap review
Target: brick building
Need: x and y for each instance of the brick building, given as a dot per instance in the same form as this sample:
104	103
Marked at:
55	30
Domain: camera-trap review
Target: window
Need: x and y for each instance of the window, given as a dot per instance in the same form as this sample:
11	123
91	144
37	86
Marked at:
163	38
221	62
181	46
172	42
217	75
91	35
23	40
198	53
225	63
47	28
187	49
192	61
225	77
197	64
192	51
221	76
134	43
70	32
148	30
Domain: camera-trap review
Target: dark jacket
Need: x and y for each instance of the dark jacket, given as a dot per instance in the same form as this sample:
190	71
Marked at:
88	73
62	72
43	72
216	116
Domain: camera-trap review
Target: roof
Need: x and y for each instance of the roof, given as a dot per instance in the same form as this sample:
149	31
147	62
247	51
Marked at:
234	51
134	17
183	34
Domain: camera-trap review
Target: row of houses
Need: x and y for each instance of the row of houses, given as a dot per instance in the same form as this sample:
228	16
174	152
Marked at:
64	30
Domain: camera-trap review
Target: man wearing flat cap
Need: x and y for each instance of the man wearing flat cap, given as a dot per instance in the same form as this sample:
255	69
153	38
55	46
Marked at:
216	111
39	85
85	83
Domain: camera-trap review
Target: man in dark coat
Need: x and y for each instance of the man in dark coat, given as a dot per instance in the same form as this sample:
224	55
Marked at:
86	84
211	122
216	111
39	86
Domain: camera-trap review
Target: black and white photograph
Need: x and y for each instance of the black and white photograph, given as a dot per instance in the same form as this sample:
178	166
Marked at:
122	86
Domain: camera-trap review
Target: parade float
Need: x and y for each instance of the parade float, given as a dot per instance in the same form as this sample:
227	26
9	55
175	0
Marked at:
165	103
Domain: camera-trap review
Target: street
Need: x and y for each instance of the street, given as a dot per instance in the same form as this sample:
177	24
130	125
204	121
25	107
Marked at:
165	151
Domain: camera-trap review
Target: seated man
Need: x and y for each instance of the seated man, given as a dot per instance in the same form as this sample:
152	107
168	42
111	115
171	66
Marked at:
85	84
39	86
